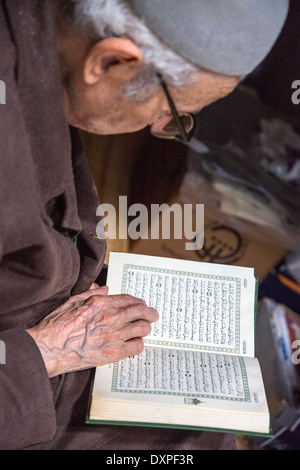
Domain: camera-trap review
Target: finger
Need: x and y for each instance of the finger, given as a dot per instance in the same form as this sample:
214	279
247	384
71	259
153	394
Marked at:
138	329
103	290
118	301
139	311
133	347
116	351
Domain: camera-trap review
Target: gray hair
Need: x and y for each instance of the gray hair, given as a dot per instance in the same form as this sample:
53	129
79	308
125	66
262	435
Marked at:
108	18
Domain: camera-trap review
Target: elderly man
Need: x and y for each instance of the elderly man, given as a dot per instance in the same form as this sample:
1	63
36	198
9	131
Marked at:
105	66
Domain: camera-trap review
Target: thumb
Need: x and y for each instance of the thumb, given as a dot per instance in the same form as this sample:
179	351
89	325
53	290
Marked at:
94	286
103	290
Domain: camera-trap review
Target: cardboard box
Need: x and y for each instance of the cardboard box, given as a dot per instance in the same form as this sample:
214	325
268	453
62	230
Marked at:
222	244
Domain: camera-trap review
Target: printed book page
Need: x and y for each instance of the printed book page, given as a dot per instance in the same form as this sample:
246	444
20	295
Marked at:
183	377
201	306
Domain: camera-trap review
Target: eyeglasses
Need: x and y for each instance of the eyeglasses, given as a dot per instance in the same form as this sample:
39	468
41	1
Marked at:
179	127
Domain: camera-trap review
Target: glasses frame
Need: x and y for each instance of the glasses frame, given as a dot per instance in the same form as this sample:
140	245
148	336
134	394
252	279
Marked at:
184	136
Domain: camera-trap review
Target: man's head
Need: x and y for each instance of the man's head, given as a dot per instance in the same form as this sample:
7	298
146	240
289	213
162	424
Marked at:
112	52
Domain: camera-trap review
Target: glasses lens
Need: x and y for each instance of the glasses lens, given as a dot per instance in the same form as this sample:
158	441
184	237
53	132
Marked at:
169	129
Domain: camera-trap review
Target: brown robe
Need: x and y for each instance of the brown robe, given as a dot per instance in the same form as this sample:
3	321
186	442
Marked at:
47	251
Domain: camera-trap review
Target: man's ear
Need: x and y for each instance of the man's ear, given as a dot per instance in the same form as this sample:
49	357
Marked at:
108	53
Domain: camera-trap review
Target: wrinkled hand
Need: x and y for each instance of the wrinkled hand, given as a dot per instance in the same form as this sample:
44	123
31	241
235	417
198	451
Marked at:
92	329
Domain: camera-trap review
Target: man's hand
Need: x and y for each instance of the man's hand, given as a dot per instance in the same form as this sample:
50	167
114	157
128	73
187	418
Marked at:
92	329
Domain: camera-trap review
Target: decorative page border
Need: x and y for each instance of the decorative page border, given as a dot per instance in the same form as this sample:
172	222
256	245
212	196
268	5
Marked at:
246	398
187	345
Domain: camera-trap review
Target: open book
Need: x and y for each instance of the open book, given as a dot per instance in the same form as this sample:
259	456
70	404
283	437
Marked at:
198	369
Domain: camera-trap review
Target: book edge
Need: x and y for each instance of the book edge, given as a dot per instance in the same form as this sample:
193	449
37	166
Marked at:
173	426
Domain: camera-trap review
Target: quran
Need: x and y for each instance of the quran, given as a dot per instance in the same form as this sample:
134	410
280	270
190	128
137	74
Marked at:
198	369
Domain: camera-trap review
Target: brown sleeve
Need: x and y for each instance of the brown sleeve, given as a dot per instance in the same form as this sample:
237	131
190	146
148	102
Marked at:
27	414
27	411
